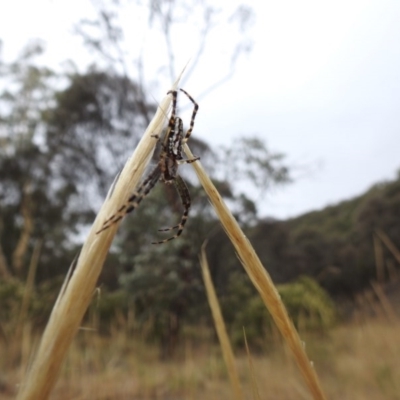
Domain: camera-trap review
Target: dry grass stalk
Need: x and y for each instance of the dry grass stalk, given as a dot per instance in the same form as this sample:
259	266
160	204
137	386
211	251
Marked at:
226	347
77	293
18	348
385	303
379	260
389	244
392	271
28	287
260	279
254	388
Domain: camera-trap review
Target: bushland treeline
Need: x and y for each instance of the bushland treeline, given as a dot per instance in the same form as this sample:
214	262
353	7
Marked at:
335	245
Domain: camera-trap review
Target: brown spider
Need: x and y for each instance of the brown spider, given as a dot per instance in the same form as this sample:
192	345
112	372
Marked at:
166	170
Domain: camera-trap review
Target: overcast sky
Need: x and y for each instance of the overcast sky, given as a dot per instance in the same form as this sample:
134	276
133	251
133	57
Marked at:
322	85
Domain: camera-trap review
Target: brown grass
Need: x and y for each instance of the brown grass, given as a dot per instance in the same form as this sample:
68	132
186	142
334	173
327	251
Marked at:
358	361
252	371
219	324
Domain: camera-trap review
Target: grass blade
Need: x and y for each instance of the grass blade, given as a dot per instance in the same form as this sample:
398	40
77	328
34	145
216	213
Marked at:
226	347
77	293
254	388
261	280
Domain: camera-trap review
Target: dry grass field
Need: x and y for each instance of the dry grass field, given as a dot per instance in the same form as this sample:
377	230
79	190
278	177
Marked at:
357	361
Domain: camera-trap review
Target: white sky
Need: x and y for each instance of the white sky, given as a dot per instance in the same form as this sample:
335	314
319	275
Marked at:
322	85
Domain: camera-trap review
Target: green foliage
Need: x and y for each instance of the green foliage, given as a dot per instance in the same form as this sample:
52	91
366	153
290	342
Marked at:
243	307
108	307
34	198
164	282
11	293
42	300
333	245
249	159
308	305
40	304
94	125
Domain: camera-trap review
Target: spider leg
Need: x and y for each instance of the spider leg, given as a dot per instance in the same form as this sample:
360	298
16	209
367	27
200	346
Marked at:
188	161
184	194
195	109
171	123
134	201
177	144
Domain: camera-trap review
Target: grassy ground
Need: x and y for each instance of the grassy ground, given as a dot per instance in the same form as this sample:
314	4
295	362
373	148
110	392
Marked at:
360	360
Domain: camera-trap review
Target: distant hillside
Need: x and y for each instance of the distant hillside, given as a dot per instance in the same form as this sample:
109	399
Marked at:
334	245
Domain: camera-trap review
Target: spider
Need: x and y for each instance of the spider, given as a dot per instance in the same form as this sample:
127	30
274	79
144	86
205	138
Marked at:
166	170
